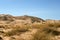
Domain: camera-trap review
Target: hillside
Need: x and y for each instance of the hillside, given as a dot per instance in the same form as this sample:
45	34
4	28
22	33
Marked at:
28	28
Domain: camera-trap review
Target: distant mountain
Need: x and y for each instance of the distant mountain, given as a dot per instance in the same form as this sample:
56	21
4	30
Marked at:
7	17
33	19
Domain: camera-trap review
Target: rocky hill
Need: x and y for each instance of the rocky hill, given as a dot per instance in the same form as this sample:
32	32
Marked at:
28	28
7	17
10	17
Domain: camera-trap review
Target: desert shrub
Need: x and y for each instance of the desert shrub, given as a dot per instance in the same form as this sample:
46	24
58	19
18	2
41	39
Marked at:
38	25
46	31
10	33
16	30
13	32
42	35
50	25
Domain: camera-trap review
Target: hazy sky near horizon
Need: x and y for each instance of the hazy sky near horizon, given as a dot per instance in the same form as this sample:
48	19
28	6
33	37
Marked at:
46	9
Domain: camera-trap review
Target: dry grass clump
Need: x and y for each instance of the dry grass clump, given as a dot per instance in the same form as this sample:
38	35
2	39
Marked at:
42	35
17	30
46	31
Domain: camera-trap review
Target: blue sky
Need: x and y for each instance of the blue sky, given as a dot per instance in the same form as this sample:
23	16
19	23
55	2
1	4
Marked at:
46	9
